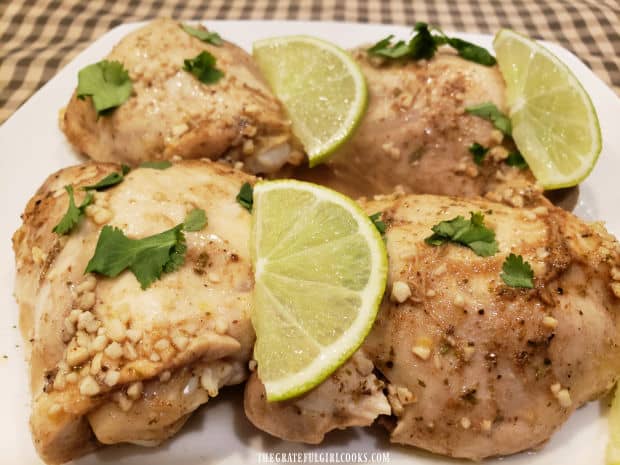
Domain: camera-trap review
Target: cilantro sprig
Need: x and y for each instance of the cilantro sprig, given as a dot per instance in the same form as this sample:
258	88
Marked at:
470	233
146	258
471	52
245	197
195	220
379	224
516	159
107	82
517	273
202	66
110	180
72	217
490	112
424	44
479	152
212	38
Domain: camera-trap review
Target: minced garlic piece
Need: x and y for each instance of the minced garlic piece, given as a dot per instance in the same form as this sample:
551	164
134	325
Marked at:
564	398
550	322
400	291
421	351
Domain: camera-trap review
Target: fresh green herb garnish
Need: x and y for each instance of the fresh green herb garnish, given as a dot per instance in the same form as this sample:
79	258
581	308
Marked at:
421	46
202	66
471	233
146	258
516	159
245	197
156	165
195	220
517	273
479	152
424	44
384	48
212	38
74	213
380	225
471	52
110	180
107	82
491	113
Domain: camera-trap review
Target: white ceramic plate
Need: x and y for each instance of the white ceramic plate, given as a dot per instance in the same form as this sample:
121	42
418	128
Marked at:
32	147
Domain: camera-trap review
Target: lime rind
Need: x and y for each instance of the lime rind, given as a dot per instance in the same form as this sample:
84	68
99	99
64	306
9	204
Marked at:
547	172
319	152
335	354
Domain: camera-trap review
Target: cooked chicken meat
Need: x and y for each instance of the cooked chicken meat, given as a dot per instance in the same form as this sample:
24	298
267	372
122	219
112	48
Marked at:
416	133
173	114
352	396
476	368
111	362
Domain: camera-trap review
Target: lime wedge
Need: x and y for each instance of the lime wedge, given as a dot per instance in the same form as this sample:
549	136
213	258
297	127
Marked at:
321	86
554	122
613	446
320	268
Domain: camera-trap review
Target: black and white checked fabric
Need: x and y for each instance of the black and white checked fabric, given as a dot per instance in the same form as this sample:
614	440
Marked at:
37	37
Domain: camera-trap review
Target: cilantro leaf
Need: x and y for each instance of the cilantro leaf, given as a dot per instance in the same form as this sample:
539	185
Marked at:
212	38
424	44
491	113
472	52
516	159
110	180
471	233
376	220
479	152
245	197
146	258
73	214
107	82
195	220
202	66
382	46
517	273
156	165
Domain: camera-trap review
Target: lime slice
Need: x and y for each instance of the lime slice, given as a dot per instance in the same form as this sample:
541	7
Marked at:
554	122
320	271
613	446
321	86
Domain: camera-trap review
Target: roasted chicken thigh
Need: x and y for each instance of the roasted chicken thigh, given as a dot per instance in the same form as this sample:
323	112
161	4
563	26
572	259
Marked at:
112	362
473	367
416	133
172	114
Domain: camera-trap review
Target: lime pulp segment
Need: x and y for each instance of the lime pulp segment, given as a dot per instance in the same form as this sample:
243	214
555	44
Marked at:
321	86
320	271
555	125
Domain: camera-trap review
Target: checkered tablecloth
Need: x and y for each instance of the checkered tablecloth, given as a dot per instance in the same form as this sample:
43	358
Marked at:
38	37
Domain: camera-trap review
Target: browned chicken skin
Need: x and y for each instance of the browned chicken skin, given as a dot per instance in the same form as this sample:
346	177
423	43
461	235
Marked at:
473	367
